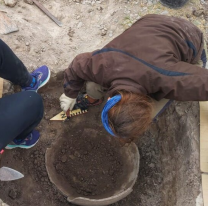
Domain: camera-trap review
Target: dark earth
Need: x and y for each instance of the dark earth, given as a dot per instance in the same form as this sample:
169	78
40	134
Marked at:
89	162
169	167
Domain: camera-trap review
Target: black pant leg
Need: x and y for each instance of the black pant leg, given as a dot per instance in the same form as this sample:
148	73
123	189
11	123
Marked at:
20	113
12	68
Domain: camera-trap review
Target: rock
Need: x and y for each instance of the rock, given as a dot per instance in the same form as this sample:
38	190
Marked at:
78	17
100	8
10	3
76	154
79	25
70	32
72	157
188	15
64	158
13	194
198	13
103	32
165	13
28	2
110	33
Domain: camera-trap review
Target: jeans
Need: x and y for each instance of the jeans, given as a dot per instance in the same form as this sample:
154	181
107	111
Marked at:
20	113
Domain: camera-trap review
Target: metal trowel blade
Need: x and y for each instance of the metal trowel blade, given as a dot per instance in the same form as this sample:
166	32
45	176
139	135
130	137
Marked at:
8	174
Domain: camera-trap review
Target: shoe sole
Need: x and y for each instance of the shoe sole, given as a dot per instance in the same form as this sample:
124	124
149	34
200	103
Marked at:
21	146
46	81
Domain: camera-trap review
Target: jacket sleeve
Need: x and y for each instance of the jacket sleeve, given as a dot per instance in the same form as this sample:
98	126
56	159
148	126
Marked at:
76	74
190	84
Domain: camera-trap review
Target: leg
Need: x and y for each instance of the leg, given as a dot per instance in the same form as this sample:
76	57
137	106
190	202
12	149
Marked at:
94	96
95	91
20	113
11	68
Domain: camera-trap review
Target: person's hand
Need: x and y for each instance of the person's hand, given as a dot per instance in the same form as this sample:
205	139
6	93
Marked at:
66	102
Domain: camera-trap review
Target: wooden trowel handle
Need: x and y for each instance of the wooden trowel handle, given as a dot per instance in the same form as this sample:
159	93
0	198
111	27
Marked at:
40	6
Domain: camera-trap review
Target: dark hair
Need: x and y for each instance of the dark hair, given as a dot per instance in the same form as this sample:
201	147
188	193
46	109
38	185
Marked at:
131	116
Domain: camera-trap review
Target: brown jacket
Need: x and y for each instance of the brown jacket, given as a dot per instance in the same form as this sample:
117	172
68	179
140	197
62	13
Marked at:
155	57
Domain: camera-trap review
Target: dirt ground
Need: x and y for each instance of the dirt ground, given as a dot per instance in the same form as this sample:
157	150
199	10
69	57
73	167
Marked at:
169	169
90	163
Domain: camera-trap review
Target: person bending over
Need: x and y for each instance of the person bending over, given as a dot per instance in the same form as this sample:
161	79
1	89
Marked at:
157	57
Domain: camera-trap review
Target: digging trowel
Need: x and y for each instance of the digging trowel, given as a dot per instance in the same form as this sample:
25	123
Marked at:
8	174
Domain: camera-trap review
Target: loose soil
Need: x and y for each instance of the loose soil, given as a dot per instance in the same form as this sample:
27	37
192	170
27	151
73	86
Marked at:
169	168
90	163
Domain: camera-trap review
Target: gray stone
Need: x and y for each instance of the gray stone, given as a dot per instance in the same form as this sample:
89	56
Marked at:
165	12
103	32
79	25
10	3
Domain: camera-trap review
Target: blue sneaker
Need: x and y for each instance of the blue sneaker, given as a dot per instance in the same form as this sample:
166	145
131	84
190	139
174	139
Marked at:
40	77
26	143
